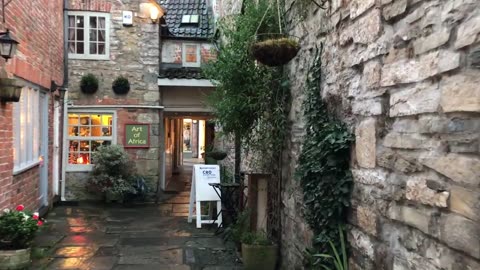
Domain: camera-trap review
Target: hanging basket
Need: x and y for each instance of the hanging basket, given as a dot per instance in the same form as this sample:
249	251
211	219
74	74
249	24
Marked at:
121	86
10	90
275	49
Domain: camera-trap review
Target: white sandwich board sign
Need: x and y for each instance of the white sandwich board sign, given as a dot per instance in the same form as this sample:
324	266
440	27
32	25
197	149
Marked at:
202	176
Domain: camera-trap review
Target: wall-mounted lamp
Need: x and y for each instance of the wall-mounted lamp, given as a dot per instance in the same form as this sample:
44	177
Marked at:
8	45
155	13
61	89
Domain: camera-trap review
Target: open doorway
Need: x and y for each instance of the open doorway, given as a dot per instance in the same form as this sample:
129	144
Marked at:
186	140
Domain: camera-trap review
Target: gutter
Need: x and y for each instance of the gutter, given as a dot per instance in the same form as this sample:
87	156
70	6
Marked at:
63	157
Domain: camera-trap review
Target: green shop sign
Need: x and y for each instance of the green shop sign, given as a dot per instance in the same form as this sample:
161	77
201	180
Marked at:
137	136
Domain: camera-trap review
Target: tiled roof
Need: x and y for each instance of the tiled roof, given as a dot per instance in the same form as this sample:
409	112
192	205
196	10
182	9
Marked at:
181	73
175	9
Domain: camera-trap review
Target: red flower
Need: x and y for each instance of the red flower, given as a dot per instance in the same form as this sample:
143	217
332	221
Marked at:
20	207
39	223
35	216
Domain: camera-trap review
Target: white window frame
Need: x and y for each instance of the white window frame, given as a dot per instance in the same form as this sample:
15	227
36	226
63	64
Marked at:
87	167
26	130
184	54
86	35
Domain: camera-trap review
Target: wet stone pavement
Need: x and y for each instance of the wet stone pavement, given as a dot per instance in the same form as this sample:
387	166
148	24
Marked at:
101	237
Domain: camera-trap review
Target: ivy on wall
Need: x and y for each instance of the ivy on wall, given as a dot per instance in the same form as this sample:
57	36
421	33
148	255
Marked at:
323	166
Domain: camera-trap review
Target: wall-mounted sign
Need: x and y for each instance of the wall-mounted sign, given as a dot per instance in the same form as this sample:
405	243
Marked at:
127	18
137	136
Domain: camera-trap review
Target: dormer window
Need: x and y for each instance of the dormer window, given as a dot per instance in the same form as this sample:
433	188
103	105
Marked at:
190	19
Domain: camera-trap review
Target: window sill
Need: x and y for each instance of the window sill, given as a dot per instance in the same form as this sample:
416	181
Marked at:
78	168
88	57
24	168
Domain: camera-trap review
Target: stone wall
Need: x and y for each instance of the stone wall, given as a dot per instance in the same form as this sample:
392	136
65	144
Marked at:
134	54
404	76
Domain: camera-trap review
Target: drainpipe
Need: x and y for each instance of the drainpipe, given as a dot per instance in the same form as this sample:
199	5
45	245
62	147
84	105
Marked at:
64	101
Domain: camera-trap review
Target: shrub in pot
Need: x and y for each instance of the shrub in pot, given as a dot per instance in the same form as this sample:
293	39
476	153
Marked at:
258	252
89	84
113	173
121	85
17	231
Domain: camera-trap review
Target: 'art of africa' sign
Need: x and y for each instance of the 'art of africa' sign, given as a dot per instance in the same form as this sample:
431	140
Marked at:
137	135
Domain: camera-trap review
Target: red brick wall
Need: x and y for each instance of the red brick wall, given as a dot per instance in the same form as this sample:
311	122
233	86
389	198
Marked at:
38	26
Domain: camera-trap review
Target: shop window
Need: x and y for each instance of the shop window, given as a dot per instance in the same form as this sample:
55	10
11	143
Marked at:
88	35
191	55
86	133
26	130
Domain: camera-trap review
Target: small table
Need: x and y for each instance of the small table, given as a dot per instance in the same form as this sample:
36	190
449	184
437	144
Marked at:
226	193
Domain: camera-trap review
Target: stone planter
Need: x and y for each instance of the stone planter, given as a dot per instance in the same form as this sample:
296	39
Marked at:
259	257
10	90
14	259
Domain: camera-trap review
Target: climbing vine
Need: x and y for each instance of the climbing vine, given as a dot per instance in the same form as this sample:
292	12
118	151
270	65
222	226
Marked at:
323	166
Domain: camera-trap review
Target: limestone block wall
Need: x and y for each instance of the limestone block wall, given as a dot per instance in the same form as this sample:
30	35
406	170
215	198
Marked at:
404	76
134	54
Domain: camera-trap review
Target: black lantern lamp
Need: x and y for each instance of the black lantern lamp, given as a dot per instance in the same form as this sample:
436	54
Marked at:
8	45
61	89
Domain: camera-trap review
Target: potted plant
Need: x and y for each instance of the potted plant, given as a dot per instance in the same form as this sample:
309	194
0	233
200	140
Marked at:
213	156
121	85
258	252
17	231
113	173
89	84
10	90
274	49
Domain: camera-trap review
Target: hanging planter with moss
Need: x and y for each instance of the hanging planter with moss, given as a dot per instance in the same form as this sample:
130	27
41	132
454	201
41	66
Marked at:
275	49
121	85
10	90
89	84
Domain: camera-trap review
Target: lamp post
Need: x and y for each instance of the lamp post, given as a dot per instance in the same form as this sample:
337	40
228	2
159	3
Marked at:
8	45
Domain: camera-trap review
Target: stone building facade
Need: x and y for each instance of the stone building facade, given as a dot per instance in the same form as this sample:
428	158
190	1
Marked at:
28	140
114	50
404	76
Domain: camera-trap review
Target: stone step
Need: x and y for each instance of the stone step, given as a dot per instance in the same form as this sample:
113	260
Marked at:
180	208
178	200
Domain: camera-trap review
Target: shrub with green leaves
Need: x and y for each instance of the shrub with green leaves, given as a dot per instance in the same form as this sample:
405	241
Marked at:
113	171
89	84
121	85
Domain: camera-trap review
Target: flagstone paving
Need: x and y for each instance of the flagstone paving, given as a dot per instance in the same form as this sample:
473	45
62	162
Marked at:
112	237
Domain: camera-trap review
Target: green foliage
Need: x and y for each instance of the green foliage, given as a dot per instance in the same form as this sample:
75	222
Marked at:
256	238
121	85
339	258
240	227
323	167
250	100
89	84
113	171
17	229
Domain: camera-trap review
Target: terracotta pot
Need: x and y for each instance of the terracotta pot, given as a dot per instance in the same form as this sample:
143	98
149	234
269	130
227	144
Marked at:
257	257
10	91
14	259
